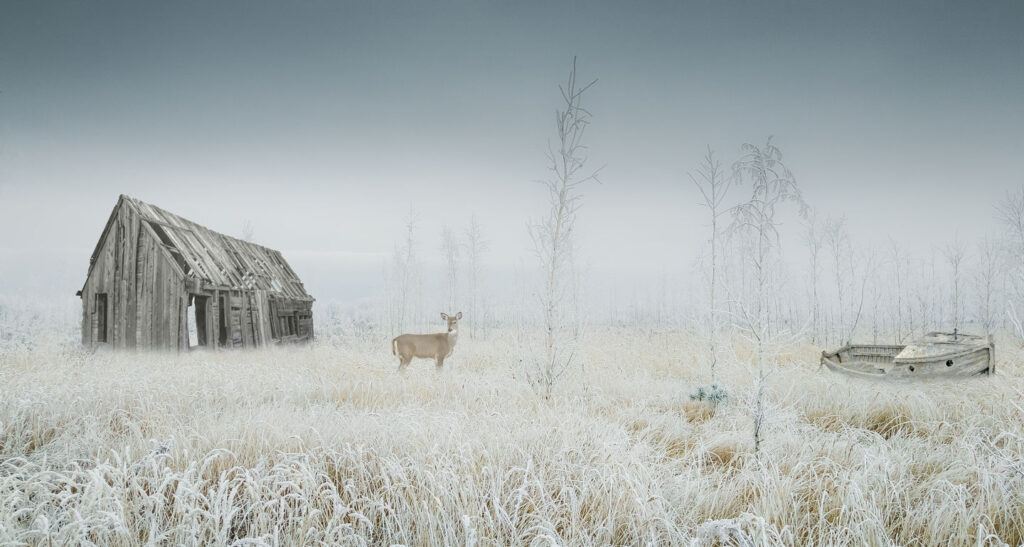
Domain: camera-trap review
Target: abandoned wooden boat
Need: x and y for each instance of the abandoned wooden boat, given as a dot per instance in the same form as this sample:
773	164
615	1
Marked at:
937	355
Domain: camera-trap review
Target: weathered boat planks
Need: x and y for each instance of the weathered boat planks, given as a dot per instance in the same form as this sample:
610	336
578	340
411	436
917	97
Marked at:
155	270
936	355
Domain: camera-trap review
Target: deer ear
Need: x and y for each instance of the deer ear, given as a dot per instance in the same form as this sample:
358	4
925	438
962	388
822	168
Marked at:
444	316
458	315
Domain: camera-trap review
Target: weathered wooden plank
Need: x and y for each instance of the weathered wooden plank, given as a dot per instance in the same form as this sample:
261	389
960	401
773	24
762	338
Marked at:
131	307
236	319
163	306
155	305
85	317
137	284
251	316
215	320
275	329
174	310
159	305
113	298
141	302
264	316
183	340
121	287
148	276
160	221
246	320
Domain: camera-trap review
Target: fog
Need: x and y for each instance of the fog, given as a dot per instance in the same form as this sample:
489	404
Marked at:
325	126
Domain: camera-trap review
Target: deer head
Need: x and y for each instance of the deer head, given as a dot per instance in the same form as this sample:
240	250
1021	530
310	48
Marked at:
453	321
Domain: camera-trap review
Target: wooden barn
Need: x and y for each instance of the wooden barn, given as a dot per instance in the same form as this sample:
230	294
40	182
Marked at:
159	281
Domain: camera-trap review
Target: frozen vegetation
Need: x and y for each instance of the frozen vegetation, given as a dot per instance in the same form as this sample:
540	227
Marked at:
327	444
696	414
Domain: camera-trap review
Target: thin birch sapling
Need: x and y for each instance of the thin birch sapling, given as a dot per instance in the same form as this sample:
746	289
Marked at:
476	247
955	252
553	236
813	239
713	186
772	185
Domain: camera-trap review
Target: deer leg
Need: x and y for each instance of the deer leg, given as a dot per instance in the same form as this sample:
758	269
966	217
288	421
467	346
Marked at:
403	362
440	362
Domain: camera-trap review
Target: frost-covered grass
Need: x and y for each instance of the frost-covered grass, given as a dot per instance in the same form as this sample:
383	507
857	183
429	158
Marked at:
327	444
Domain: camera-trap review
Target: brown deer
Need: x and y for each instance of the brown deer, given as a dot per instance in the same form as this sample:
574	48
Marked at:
427	346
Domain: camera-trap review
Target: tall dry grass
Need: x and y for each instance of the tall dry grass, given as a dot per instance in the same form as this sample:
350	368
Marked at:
328	445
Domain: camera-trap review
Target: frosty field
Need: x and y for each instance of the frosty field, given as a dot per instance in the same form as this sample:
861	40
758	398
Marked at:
327	444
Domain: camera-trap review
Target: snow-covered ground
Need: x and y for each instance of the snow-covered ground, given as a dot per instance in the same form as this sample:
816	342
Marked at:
327	444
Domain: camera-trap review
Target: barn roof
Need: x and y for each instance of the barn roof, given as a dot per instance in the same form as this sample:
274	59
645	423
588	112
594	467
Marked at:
217	260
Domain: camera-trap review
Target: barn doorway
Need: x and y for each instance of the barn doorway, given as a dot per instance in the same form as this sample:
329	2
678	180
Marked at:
222	322
101	317
197	321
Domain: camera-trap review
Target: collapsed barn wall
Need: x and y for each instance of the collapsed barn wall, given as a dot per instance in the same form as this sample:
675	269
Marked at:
250	318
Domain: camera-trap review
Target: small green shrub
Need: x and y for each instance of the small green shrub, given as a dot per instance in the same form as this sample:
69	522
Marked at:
714	394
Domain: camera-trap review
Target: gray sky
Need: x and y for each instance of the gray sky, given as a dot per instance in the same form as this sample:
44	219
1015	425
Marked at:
324	123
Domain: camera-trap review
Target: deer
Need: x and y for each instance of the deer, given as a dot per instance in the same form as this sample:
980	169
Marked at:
426	346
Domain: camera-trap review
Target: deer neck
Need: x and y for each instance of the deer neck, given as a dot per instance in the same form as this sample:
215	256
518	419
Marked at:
453	337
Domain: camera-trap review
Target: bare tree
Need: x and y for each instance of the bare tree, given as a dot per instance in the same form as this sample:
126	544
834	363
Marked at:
990	261
875	298
772	185
247	231
954	253
1011	212
864	273
713	186
476	247
923	297
553	235
814	241
838	242
930	289
402	279
897	264
450	249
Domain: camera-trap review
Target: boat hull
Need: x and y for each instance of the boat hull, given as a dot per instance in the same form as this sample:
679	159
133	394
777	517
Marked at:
882	361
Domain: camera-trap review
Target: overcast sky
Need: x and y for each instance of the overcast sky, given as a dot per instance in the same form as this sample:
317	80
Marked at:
324	123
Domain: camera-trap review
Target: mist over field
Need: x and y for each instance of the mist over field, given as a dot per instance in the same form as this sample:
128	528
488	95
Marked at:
554	274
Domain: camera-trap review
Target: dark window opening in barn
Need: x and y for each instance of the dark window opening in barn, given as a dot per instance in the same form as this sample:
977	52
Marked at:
175	253
197	321
164	238
222	330
101	317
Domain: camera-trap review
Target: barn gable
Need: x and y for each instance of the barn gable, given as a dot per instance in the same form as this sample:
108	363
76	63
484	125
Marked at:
157	280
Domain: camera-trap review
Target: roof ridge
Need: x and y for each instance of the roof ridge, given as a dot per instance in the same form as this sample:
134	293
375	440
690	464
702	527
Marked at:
190	221
216	257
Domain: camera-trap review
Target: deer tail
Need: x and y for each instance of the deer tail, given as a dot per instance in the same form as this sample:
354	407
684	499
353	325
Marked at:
394	346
